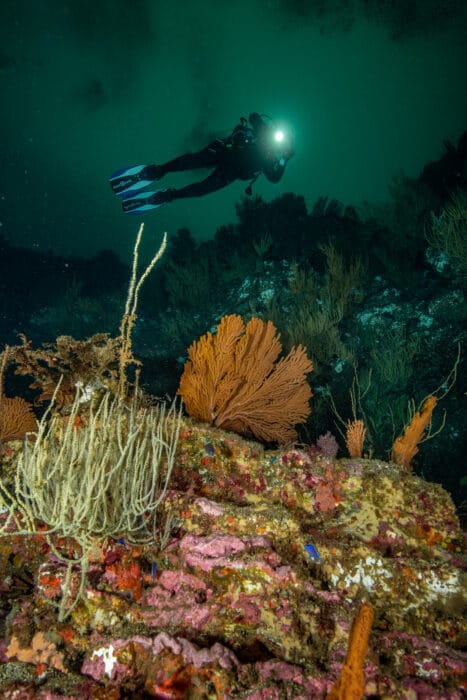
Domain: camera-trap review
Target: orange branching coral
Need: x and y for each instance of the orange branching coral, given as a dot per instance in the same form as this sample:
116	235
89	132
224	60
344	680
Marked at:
232	380
405	447
355	437
92	361
351	682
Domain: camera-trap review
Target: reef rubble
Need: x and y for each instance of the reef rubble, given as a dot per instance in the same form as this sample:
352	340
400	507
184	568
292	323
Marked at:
270	553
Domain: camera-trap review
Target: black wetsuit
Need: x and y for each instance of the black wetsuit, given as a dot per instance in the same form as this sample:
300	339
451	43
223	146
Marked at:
246	153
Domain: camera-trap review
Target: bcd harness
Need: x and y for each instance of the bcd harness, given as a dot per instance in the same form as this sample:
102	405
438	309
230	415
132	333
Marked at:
240	137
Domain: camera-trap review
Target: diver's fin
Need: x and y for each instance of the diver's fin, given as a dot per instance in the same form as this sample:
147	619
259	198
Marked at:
145	201
130	179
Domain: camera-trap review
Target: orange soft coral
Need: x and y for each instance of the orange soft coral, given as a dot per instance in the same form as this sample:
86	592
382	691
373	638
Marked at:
405	447
351	682
355	437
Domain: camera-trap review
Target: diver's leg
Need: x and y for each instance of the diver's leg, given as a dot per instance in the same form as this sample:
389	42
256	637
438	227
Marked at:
128	181
215	181
151	200
207	158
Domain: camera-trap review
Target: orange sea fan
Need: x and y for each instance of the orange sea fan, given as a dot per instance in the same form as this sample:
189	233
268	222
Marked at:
233	380
16	418
16	415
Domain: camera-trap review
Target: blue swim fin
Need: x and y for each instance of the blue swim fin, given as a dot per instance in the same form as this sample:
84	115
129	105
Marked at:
131	179
145	201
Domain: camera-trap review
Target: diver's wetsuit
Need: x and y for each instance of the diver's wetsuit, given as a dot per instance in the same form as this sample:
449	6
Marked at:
209	157
251	149
241	156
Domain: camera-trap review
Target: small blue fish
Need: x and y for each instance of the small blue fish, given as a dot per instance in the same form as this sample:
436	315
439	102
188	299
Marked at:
312	552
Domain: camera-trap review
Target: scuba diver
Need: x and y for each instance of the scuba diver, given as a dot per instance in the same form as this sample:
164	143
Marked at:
254	147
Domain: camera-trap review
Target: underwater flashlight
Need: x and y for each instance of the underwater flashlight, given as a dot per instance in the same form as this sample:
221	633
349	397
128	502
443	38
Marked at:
279	136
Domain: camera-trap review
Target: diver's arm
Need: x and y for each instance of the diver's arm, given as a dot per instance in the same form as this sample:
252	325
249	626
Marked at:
274	168
274	164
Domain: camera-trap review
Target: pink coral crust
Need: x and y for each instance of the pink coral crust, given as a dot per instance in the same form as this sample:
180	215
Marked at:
95	667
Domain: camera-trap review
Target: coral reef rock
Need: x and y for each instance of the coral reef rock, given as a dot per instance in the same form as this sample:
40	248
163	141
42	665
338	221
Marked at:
269	557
